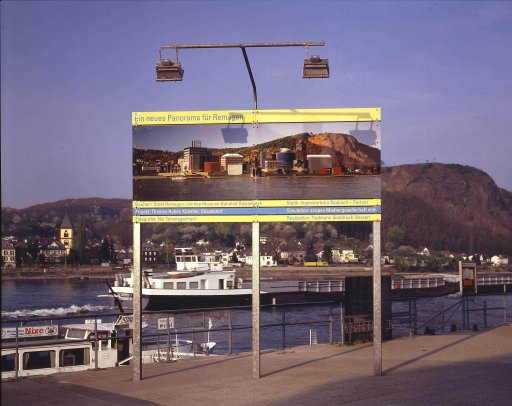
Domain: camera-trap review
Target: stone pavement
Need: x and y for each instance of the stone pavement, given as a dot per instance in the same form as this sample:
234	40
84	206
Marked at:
463	368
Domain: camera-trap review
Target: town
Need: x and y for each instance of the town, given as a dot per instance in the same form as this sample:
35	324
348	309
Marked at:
69	248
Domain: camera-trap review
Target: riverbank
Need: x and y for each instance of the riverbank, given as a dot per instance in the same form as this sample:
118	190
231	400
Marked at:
279	273
266	273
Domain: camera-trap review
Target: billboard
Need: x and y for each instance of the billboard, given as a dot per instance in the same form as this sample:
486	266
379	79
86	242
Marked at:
257	166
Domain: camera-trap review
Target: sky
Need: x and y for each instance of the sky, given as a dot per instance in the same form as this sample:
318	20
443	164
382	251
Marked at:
73	72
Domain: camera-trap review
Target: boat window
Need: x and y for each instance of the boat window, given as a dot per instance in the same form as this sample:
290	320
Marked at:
168	285
8	362
229	284
201	258
181	285
179	259
74	356
188	259
38	359
193	285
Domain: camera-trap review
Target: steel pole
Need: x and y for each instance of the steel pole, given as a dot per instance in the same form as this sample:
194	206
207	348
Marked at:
137	304
377	302
256	300
253	83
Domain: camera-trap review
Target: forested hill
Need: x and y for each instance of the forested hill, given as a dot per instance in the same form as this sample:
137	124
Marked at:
448	207
440	206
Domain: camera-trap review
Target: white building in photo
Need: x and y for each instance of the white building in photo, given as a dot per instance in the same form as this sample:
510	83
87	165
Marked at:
232	163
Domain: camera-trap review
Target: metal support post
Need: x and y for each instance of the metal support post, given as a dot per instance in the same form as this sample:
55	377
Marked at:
283	331
377	302
256	300
230	334
137	304
505	320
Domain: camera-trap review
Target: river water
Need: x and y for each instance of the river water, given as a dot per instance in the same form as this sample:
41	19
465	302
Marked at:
246	188
54	298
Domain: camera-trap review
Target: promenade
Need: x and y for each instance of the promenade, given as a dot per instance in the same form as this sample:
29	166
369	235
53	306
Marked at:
462	368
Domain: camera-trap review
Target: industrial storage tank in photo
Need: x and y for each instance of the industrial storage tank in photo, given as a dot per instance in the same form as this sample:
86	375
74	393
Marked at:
286	156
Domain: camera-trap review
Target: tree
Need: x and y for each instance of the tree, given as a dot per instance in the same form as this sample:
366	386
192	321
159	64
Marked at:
234	258
105	250
81	239
327	256
396	235
310	254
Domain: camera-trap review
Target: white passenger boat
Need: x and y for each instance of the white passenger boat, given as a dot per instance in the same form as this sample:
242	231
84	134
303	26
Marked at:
38	350
200	281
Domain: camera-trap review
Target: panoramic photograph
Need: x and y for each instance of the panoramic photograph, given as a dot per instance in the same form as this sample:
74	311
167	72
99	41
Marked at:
268	161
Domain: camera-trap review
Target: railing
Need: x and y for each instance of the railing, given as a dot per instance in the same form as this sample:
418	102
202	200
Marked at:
417	283
447	316
494	280
322	286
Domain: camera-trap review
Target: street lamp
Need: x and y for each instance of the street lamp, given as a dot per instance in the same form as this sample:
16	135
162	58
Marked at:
168	70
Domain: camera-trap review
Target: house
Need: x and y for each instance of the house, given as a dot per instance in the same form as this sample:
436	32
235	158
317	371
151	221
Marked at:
124	256
54	252
498	260
265	260
344	256
292	256
149	252
8	254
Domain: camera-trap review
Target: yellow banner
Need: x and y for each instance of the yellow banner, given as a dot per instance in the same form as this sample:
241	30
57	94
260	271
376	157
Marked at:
256	218
256	116
256	203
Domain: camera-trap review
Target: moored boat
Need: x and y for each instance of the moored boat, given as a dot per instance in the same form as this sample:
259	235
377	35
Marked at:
39	350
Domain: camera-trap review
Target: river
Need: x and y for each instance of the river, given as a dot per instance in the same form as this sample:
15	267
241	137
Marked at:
54	298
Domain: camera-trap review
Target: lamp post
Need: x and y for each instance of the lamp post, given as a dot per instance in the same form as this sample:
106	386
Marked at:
168	70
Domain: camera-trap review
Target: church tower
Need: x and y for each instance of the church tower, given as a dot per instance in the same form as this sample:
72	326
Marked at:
66	233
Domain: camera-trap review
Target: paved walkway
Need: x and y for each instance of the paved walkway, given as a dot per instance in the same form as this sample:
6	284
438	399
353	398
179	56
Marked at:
464	368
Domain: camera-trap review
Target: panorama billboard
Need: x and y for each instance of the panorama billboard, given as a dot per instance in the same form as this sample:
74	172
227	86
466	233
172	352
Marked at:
257	166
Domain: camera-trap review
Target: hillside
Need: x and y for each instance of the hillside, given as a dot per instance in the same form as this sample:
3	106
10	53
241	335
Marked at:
439	206
448	207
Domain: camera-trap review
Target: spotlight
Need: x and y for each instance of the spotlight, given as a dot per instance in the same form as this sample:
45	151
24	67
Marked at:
315	67
168	71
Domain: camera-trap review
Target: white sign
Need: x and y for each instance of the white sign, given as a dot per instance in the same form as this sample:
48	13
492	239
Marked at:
30	331
91	321
162	323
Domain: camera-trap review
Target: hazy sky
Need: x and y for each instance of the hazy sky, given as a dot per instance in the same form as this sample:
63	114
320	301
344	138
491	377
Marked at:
72	72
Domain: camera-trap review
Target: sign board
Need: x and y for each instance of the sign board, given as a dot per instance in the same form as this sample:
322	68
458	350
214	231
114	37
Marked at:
30	332
162	323
91	321
257	166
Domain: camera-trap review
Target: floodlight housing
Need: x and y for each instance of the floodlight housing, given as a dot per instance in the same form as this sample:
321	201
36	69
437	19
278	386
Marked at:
168	71
315	67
